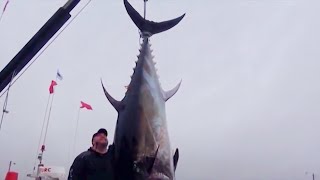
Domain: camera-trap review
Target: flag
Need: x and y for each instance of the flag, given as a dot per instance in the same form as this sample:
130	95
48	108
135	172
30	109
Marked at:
43	148
59	76
5	6
85	105
53	83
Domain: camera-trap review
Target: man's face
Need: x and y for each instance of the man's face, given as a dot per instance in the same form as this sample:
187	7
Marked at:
100	139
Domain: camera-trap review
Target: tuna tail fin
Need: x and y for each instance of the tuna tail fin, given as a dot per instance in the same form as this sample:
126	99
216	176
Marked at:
149	28
175	159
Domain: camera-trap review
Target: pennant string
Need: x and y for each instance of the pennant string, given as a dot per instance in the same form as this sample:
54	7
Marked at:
4	9
4	109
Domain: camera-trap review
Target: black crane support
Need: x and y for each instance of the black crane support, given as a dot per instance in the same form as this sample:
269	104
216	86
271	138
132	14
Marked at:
46	32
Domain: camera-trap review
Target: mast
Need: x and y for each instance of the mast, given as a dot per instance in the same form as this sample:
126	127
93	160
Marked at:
24	56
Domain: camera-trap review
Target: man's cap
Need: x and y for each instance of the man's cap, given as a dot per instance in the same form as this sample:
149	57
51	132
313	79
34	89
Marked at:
102	130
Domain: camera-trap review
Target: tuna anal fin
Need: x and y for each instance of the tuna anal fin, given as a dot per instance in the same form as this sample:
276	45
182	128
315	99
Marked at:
149	28
116	104
175	159
169	94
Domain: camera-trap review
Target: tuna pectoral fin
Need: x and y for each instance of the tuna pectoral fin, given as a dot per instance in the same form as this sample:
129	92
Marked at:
150	27
116	104
176	158
169	94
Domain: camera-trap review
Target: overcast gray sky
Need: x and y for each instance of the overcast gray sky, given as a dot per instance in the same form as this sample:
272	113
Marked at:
248	107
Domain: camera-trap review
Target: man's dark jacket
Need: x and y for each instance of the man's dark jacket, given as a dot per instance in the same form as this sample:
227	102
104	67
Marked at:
91	165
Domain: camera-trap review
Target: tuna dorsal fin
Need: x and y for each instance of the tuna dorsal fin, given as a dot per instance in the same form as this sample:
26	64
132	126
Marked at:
148	27
150	161
176	158
168	94
116	104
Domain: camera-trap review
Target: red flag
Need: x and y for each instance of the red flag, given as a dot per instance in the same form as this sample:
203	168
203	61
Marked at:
85	105
5	6
43	148
53	83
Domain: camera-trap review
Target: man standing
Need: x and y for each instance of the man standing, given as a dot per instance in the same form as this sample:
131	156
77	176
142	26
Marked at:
95	163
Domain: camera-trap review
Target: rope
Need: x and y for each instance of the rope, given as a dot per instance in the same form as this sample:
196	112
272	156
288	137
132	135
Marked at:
4	109
39	54
4	9
145	9
1	16
46	131
74	140
144	16
44	120
76	132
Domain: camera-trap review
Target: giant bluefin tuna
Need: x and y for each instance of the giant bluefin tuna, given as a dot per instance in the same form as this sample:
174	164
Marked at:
142	147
